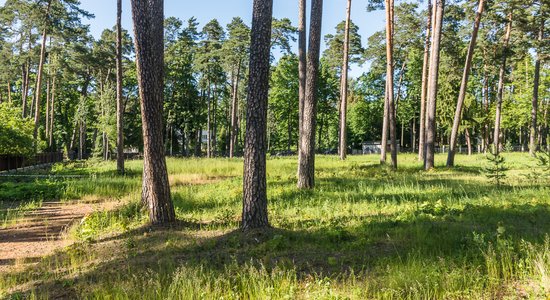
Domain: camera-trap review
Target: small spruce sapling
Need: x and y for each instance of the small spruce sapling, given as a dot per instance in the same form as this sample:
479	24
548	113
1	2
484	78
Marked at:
496	168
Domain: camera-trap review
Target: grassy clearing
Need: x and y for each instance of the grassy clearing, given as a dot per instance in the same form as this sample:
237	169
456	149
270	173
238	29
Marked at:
364	232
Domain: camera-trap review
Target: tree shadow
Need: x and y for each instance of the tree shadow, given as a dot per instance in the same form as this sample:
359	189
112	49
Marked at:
333	249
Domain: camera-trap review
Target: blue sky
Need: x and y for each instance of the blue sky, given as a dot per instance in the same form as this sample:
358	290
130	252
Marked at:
225	10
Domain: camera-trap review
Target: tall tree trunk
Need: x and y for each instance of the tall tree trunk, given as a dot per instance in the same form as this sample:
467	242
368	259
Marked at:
302	65
25	88
385	125
390	84
535	102
209	124
424	88
255	183
40	71
148	17
38	89
306	165
234	112
52	118
468	140
9	92
344	88
47	109
485	107
439	9
464	85
119	100
501	79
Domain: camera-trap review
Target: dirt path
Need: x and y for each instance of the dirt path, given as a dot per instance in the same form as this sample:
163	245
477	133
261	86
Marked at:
42	232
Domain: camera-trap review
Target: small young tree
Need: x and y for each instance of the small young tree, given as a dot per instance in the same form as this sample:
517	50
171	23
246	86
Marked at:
496	168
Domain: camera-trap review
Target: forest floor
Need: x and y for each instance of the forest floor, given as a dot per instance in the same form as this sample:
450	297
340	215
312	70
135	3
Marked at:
364	232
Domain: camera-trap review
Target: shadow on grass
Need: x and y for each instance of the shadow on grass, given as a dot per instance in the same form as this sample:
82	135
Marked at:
332	250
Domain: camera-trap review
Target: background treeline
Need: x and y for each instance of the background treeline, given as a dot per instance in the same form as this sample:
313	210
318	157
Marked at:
55	74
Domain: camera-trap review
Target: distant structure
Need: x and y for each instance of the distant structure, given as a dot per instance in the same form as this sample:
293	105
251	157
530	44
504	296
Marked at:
374	147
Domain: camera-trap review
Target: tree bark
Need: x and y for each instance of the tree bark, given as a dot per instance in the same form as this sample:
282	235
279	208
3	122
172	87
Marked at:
306	165
424	88
302	66
385	125
40	71
148	17
439	9
535	102
344	87
254	178
119	100
47	108
390	83
52	118
501	79
234	111
464	86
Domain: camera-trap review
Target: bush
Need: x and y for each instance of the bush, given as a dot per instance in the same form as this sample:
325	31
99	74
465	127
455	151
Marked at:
16	133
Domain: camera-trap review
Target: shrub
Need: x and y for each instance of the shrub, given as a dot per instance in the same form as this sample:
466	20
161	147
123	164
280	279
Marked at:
16	132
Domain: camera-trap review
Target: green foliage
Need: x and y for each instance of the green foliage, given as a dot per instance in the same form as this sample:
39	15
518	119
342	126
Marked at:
16	133
496	167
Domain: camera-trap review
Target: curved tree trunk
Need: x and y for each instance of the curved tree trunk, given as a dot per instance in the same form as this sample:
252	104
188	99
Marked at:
464	86
148	17
306	165
424	88
254	178
119	101
500	91
344	87
439	9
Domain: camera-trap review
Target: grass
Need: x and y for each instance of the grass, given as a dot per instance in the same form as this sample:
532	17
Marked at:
365	232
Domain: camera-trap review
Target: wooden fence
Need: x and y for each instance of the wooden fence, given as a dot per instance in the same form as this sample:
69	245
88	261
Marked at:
9	162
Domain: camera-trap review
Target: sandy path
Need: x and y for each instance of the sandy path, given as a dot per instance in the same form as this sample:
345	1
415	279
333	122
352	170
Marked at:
42	232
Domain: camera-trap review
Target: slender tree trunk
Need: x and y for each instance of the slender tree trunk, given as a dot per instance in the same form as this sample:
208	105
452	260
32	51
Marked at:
148	17
254	183
439	9
209	124
464	85
119	100
306	165
39	84
52	118
535	109
344	88
385	121
424	88
390	84
47	108
24	88
468	140
501	78
40	71
302	66
485	108
9	92
234	111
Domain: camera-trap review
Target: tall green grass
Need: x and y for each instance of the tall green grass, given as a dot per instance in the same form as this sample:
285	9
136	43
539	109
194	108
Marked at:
365	232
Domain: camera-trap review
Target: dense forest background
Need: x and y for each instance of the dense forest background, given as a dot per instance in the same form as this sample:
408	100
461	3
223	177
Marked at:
56	74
